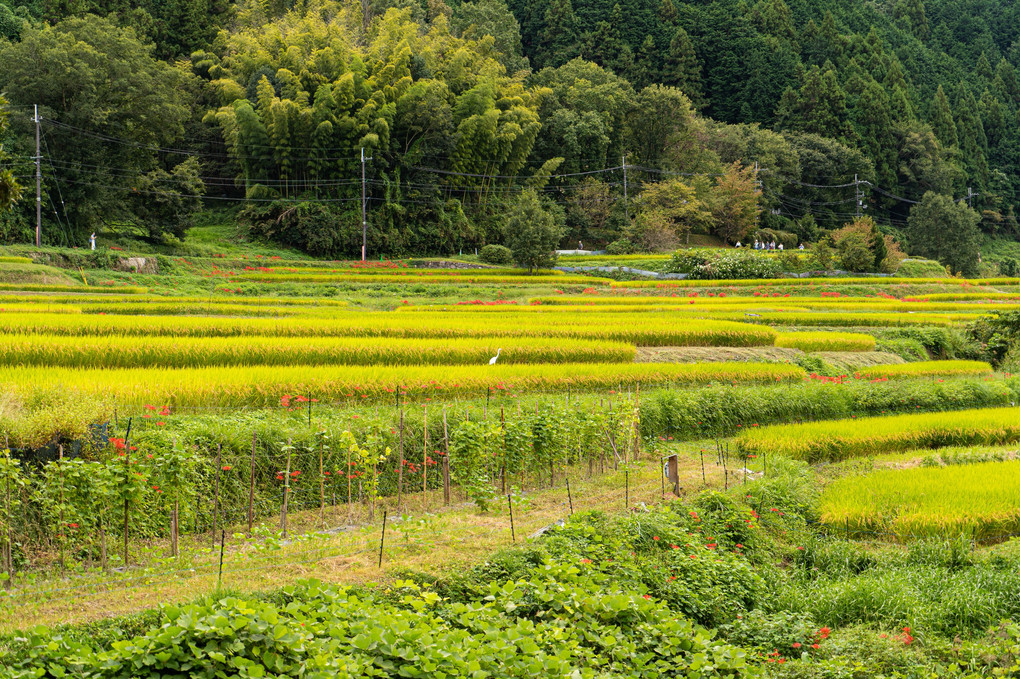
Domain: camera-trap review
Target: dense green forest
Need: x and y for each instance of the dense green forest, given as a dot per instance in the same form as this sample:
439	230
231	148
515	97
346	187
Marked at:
640	121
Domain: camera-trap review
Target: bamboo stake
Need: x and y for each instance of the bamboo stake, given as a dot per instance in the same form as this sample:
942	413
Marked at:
286	492
322	489
446	461
216	494
63	525
400	463
251	488
425	464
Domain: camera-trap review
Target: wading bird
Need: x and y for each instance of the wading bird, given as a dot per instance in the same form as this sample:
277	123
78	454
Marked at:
492	361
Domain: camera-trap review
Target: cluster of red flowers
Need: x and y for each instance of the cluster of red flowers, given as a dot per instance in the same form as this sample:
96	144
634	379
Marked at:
774	294
832	294
285	401
479	302
815	643
377	265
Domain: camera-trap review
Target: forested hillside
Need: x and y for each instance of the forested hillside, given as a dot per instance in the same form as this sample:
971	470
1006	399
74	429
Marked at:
641	121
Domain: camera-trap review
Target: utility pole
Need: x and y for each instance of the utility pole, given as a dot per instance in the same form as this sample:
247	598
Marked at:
970	198
364	219
38	181
626	209
858	196
757	192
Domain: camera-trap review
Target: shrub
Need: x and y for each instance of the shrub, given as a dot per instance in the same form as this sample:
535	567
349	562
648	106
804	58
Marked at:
907	348
496	254
620	247
728	264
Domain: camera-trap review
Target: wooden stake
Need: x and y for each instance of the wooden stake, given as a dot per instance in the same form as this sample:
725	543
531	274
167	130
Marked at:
400	463
424	464
446	461
348	485
63	525
286	493
322	489
127	502
216	494
251	487
9	547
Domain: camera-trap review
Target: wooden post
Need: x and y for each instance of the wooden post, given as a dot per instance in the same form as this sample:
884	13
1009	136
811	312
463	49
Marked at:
502	437
637	419
9	547
570	500
216	494
251	485
424	464
673	463
63	525
400	462
349	484
446	461
510	504
286	492
382	539
127	502
446	481
322	489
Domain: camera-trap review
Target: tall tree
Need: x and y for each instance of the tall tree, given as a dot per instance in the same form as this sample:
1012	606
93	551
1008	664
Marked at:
94	80
533	233
10	190
733	203
681	67
559	38
943	229
942	120
911	15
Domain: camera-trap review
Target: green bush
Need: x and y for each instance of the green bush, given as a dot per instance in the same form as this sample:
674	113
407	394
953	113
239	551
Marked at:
620	247
496	254
907	348
725	410
724	264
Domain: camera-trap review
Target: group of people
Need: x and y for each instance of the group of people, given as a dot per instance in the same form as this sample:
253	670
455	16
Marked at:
764	245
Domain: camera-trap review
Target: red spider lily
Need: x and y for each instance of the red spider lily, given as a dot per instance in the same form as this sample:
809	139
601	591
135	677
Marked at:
165	410
150	407
585	560
226	467
118	444
796	644
656	538
160	424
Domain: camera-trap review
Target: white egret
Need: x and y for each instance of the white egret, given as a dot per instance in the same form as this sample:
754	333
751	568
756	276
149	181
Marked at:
492	361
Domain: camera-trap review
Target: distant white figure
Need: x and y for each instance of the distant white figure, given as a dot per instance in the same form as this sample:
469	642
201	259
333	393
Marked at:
738	244
801	247
492	361
780	246
92	240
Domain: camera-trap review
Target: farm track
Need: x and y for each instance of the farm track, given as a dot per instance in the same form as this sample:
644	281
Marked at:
460	537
